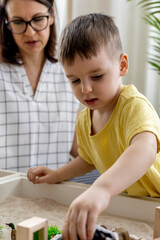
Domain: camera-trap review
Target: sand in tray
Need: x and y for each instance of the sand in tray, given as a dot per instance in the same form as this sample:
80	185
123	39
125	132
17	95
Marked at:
4	174
17	209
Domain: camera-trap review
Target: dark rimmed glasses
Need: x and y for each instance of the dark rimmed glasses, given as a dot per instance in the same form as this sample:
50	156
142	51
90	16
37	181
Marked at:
20	26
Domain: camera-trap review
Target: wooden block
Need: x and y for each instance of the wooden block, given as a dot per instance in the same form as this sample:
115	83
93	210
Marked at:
33	228
156	233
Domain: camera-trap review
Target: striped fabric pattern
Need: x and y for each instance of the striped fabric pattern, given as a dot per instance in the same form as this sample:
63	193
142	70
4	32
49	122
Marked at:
88	178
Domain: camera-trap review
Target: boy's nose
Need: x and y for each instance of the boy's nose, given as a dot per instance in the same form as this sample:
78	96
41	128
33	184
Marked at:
87	87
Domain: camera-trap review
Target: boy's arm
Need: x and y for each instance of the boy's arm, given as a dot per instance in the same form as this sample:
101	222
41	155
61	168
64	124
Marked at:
131	166
75	168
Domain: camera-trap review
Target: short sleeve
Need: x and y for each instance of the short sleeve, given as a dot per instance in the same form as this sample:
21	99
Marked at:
139	116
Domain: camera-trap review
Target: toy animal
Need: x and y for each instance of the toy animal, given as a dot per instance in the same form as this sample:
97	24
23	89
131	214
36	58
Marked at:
13	232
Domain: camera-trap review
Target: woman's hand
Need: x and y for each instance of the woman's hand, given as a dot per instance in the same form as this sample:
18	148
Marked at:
83	213
42	174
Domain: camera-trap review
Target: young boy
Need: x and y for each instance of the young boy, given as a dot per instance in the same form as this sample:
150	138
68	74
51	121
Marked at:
119	131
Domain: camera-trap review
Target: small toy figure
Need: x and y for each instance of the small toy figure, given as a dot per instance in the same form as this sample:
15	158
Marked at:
13	232
101	233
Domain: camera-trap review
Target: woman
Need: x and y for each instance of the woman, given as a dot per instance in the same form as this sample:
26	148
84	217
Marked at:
37	107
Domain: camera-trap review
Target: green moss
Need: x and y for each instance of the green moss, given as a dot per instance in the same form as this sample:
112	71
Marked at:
53	230
1	228
35	236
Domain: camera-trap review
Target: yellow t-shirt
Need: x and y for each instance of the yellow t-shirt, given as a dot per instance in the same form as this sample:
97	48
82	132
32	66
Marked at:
133	114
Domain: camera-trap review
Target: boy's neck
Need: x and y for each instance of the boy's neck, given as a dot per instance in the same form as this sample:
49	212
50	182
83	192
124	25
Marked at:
99	118
98	121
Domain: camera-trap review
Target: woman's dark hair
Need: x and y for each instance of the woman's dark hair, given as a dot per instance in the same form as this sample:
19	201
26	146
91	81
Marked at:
9	52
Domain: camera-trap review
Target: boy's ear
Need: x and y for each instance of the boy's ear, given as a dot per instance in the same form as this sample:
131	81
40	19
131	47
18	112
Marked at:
123	64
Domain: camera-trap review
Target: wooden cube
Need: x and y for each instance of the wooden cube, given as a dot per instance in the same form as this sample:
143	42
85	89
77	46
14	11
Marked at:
35	228
156	233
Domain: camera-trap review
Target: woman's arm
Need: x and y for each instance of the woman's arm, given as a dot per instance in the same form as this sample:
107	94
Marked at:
74	149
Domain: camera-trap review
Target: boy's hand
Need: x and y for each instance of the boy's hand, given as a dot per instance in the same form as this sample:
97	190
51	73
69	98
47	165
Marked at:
72	169
83	213
41	174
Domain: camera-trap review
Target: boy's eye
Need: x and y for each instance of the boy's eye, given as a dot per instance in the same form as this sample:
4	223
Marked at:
75	81
97	77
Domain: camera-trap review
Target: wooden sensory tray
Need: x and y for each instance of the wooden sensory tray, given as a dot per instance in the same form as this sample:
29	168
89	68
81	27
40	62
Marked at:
17	184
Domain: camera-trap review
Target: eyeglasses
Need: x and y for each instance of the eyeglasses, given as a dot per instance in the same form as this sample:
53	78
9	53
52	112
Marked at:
20	26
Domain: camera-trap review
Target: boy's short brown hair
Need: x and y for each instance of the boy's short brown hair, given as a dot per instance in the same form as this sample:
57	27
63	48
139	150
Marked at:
86	34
